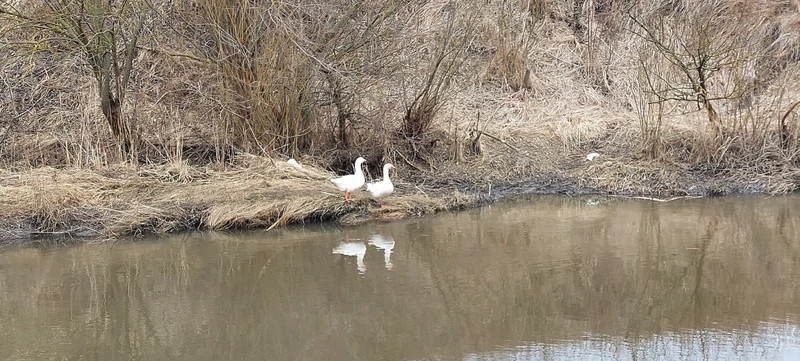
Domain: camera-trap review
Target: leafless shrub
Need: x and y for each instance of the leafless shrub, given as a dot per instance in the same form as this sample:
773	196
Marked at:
649	110
283	62
105	34
266	79
712	54
698	42
511	35
356	48
448	54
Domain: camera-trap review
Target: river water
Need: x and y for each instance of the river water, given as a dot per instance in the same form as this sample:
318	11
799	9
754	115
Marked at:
545	278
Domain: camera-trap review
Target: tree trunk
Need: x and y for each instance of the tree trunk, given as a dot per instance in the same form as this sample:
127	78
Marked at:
112	111
113	114
342	108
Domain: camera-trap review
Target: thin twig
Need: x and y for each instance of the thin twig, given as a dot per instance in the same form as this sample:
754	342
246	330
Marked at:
421	191
409	162
659	199
501	141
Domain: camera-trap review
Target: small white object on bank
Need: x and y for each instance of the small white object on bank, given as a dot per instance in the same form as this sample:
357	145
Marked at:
294	163
592	156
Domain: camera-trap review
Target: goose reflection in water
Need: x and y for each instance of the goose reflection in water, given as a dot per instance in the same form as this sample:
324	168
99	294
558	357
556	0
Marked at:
353	249
387	245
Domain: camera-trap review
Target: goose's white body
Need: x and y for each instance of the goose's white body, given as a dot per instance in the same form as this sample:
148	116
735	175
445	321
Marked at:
351	182
387	245
384	188
353	249
294	163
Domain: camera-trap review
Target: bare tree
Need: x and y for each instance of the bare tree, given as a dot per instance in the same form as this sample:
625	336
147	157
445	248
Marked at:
355	45
700	41
104	33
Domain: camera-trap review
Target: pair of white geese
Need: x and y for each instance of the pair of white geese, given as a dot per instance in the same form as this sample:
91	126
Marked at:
379	191
352	182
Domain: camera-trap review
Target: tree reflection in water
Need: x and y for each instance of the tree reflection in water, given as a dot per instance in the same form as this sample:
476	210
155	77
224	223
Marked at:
547	278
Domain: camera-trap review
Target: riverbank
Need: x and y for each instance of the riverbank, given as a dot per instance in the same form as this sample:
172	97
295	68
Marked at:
253	192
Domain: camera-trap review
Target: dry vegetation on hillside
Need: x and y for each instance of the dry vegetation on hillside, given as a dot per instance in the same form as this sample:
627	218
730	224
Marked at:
678	97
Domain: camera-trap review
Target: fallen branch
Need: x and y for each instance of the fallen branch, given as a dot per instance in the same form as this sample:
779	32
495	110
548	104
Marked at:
421	191
409	162
659	199
500	140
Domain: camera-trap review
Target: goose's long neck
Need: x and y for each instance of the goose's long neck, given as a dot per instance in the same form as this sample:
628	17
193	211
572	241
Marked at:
358	169
386	173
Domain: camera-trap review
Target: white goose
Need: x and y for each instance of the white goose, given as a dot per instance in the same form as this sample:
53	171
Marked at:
387	245
384	188
351	182
353	249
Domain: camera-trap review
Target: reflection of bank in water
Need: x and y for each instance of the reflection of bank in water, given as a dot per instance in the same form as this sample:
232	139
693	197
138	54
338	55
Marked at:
353	249
387	245
772	341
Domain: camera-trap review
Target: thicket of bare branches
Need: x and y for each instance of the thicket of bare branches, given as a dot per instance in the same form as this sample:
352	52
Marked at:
316	77
271	75
103	34
716	56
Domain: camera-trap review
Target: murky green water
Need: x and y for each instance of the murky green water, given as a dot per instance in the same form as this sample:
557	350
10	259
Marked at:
551	278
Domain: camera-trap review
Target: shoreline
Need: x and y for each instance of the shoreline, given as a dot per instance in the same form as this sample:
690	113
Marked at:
77	205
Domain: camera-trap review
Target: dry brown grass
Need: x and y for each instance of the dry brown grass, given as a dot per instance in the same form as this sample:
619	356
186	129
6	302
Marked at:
569	113
255	193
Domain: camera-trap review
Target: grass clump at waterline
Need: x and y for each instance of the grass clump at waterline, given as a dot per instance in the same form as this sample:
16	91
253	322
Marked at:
254	192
